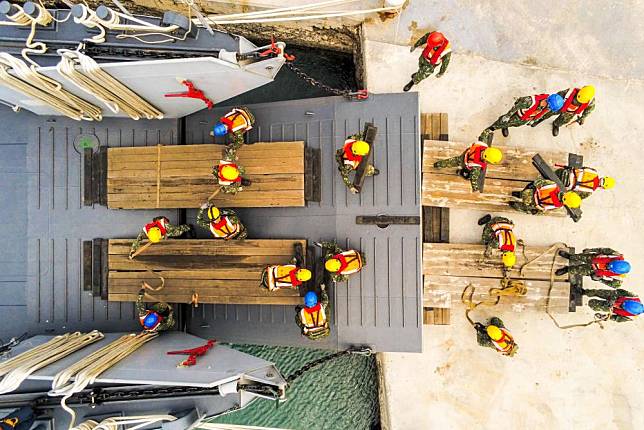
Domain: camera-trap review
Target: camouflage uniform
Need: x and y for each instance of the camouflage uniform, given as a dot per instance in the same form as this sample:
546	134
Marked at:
324	302
425	68
581	264
565	175
171	231
473	173
527	204
163	309
608	298
204	222
483	339
233	188
512	119
488	237
329	249
346	169
565	117
236	138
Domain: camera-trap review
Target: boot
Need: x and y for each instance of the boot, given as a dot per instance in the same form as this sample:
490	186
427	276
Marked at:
485	219
562	271
408	86
555	130
516	194
376	172
192	233
505	132
564	254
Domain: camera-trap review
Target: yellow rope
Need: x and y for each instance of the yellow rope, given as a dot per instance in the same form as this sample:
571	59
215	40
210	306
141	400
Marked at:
509	287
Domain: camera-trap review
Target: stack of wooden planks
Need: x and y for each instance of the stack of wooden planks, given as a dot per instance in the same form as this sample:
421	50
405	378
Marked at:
180	176
444	188
218	271
449	268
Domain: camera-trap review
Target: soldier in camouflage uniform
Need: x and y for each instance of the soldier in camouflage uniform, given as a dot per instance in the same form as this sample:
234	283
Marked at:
583	180
437	52
159	317
602	264
503	341
616	302
473	162
543	195
222	223
350	156
331	251
235	124
313	317
578	104
498	233
162	224
529	110
228	184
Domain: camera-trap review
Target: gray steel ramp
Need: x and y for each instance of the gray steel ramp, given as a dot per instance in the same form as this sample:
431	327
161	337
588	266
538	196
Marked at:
379	307
46	222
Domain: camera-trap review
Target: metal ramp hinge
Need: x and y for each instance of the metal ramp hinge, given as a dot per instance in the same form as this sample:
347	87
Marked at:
384	221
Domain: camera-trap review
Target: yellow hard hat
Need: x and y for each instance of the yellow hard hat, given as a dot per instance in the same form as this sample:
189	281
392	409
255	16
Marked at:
608	182
303	275
332	265
213	212
572	199
154	235
493	155
229	173
360	147
494	332
509	259
586	94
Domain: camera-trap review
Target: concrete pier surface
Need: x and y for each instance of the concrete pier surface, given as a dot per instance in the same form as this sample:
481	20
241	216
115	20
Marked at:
583	378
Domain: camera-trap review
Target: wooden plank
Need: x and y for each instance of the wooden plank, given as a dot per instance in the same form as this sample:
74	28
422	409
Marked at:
466	260
428	316
312	174
369	134
229	300
209	247
104	269
444	131
87	265
102	176
97	267
444	232
88	190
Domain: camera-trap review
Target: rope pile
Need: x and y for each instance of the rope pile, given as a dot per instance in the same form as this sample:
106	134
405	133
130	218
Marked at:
18	368
88	369
90	78
115	422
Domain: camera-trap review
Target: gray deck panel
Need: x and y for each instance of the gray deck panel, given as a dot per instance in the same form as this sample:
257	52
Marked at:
379	307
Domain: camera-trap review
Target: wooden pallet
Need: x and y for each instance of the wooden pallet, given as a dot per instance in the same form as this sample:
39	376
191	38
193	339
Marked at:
449	268
180	176
444	188
218	271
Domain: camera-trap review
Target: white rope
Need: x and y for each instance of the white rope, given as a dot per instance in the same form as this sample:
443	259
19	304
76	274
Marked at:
284	10
115	422
20	18
82	71
33	84
87	370
17	369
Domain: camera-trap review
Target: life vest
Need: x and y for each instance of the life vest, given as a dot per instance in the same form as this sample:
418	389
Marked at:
282	277
585	179
617	306
161	223
221	179
474	156
224	228
237	120
547	197
504	235
144	316
314	319
535	111
569	106
505	344
600	266
350	262
350	159
435	53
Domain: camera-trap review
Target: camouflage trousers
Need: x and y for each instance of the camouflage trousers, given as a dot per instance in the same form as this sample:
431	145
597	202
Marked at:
527	204
564	119
513	121
450	162
425	70
345	170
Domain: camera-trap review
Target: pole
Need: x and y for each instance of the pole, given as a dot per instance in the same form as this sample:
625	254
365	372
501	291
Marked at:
213	195
140	250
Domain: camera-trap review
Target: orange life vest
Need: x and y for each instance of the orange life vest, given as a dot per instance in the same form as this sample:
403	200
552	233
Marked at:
585	180
160	223
547	197
277	280
350	262
570	107
504	235
221	179
535	111
224	228
474	156
435	53
313	318
350	159
237	120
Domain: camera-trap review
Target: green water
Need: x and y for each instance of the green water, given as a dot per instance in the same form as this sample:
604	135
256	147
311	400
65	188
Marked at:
340	394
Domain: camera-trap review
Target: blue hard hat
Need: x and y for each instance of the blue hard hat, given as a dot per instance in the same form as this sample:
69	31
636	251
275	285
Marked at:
220	129
633	307
619	266
310	299
555	102
151	320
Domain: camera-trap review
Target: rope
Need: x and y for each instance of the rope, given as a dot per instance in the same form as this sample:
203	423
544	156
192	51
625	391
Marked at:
88	369
17	369
85	73
114	423
509	287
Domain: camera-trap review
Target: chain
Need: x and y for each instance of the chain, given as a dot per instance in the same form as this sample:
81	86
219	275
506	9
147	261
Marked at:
360	94
310	365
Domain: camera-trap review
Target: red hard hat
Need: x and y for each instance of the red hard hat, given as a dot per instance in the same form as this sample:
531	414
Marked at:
436	38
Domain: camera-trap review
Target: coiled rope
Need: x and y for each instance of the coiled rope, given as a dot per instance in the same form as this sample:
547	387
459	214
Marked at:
82	71
115	422
17	369
88	369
